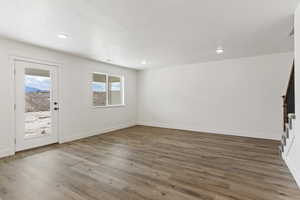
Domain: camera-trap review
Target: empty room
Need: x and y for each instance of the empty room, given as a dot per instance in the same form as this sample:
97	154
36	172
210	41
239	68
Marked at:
149	100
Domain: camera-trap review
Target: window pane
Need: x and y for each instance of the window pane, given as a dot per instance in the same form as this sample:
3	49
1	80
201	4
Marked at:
99	89
37	102
115	95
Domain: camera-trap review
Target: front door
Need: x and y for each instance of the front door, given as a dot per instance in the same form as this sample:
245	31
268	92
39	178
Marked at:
36	105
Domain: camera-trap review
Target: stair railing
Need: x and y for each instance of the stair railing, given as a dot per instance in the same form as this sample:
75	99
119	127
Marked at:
289	98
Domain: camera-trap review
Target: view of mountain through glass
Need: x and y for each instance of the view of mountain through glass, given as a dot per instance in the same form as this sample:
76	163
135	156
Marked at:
37	102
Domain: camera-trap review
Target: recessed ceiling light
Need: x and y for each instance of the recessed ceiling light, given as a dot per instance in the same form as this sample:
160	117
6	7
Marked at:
144	62
62	36
220	50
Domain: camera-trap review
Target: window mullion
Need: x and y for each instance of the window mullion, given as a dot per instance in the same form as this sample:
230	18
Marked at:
107	93
122	90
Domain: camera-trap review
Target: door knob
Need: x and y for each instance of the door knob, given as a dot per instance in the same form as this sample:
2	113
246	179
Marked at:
56	108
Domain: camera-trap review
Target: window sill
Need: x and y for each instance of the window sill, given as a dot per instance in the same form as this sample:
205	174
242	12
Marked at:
110	106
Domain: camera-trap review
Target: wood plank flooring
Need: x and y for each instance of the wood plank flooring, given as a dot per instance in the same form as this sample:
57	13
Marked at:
146	163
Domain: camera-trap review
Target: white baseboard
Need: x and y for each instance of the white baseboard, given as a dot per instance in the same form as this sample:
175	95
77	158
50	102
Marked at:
4	152
214	131
290	155
293	170
70	138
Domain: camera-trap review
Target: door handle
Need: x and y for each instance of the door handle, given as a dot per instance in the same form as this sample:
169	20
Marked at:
56	109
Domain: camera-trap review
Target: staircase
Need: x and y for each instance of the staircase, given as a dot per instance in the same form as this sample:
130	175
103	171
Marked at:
289	117
288	136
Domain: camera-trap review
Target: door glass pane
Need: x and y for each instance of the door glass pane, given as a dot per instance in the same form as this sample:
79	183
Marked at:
37	102
114	97
99	89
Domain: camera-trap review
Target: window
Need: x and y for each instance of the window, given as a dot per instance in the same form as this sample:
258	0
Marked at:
114	90
99	89
38	94
107	90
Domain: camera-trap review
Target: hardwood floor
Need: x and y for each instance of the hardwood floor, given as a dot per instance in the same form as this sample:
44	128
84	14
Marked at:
152	164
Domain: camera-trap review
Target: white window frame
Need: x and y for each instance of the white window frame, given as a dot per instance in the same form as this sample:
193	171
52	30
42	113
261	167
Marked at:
107	90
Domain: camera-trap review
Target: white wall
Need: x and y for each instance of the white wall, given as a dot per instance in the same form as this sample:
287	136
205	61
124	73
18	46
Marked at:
292	159
77	117
237	97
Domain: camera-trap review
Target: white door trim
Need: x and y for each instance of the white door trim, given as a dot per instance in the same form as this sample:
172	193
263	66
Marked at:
13	59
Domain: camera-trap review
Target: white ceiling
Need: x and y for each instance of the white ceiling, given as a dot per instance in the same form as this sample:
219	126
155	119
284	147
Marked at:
162	32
